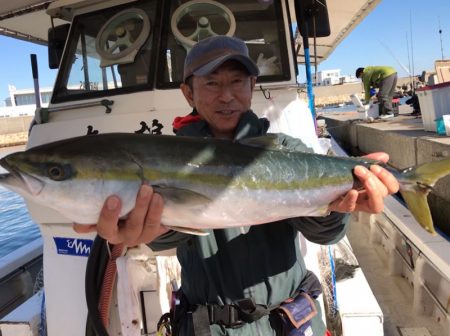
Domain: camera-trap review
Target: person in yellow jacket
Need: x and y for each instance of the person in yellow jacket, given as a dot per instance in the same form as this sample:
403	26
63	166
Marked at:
385	79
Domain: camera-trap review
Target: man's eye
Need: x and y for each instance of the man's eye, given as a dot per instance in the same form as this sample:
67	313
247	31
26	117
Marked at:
212	83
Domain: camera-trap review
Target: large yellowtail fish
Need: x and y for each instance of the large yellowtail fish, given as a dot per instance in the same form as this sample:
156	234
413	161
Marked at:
205	183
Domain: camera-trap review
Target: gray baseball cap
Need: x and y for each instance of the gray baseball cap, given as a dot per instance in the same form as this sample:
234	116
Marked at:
208	54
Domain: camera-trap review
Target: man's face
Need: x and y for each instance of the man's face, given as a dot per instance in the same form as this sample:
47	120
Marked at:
221	97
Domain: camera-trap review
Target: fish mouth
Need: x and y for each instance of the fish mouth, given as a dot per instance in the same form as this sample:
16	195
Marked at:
19	181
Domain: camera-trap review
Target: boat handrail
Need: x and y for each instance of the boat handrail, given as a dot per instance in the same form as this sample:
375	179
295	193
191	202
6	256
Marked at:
14	260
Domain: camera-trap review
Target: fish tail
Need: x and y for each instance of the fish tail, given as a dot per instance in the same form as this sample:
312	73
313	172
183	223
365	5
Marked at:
415	185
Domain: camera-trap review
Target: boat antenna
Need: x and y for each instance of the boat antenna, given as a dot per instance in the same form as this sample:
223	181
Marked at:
440	38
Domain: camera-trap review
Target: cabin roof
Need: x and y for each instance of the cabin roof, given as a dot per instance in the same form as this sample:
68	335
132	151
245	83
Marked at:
27	20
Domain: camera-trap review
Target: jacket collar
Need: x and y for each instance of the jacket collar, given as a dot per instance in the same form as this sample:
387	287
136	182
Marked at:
249	126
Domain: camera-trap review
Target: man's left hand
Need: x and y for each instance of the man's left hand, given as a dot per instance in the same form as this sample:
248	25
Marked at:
377	183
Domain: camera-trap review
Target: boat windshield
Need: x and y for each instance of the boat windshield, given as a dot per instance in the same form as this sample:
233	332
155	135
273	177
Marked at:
142	45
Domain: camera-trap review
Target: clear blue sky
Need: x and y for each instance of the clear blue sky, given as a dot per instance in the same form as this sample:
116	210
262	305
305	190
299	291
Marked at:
380	39
384	35
15	66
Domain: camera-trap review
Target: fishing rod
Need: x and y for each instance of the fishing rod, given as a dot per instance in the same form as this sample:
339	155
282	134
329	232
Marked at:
412	51
409	62
395	57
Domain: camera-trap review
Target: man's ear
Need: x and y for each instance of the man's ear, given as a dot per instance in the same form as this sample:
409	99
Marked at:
188	94
253	82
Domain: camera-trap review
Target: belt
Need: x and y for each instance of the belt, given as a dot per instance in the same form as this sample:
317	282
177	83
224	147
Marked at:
229	315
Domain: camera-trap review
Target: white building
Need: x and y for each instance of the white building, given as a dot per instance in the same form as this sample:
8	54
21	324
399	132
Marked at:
23	102
328	77
333	77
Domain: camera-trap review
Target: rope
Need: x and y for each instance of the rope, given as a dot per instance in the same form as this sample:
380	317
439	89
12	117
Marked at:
109	279
333	279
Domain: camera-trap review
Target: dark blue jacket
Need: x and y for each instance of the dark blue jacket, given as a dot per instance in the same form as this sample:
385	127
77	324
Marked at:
263	261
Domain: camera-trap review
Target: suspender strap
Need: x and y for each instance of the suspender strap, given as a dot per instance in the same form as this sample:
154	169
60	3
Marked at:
200	321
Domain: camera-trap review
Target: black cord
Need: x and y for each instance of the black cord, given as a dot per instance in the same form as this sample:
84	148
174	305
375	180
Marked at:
95	270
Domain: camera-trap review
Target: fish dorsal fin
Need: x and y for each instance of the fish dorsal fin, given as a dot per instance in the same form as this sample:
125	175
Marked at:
269	141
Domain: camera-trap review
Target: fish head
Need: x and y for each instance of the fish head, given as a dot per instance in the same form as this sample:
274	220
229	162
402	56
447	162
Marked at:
74	184
23	175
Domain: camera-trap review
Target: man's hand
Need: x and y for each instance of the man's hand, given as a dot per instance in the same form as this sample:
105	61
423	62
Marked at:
143	224
377	184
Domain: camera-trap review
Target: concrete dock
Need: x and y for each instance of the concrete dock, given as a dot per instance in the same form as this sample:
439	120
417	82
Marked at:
14	130
397	288
404	139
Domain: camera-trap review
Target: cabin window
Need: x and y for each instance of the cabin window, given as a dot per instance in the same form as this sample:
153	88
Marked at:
141	45
109	52
259	23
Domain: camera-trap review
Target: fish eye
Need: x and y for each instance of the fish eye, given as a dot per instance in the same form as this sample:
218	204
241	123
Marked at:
56	172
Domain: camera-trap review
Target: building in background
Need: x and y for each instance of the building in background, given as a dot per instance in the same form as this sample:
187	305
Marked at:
333	77
23	102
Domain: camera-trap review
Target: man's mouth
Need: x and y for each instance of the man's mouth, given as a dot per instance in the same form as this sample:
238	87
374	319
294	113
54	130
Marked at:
226	112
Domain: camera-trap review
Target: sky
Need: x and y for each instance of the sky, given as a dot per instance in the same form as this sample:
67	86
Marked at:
400	33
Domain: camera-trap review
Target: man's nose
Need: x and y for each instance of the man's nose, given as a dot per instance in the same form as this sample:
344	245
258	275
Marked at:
226	93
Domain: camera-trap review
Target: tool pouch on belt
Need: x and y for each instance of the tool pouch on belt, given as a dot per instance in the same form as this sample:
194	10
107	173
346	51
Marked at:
297	312
296	315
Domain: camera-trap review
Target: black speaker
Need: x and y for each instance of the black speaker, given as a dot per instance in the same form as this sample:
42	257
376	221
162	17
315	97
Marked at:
56	40
312	18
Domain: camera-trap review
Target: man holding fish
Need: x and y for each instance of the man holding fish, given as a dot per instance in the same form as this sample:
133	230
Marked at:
237	280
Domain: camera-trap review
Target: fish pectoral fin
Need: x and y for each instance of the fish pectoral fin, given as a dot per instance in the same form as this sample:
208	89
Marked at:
179	196
192	231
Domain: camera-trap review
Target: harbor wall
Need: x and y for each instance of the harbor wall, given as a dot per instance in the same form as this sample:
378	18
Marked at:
14	130
406	143
339	94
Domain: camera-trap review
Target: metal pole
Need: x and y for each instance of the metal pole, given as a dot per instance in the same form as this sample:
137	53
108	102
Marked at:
308	70
315	50
34	69
87	85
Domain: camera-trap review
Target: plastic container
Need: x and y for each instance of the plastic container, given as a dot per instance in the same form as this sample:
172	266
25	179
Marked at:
395	106
434	102
368	111
443	125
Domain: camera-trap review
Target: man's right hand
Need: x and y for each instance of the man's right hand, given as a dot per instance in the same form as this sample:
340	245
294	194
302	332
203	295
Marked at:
142	225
